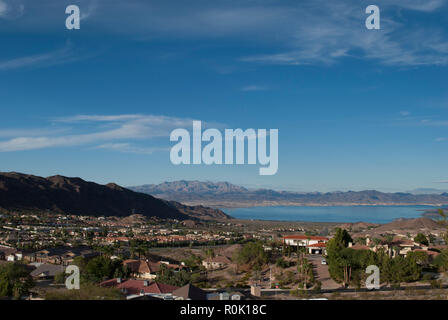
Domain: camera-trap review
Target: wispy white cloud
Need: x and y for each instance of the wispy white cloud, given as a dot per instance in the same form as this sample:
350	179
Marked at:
441	181
116	135
11	9
293	32
129	148
3	8
419	5
61	56
89	9
254	88
433	123
329	31
7	133
420	121
440	139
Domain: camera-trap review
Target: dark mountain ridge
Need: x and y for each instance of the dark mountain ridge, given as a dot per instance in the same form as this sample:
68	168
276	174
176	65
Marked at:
24	192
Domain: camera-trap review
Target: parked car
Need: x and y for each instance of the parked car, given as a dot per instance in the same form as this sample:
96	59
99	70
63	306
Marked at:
323	261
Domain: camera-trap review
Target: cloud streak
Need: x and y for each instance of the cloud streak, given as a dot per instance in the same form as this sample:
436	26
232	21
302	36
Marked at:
129	148
3	8
254	88
117	135
11	9
298	32
67	54
330	31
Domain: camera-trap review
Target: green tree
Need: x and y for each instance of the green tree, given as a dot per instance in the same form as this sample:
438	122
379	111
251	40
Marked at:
340	240
59	278
193	262
441	261
88	291
418	257
252	254
305	269
15	280
389	238
102	268
442	215
404	270
169	276
209	253
421	238
282	263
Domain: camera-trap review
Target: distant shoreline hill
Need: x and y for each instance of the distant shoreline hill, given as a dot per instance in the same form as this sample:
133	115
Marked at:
227	195
27	193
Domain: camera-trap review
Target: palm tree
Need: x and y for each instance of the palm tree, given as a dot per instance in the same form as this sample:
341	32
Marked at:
347	270
306	269
443	215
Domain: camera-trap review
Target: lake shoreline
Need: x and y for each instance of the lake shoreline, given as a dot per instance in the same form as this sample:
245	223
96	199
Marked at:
238	205
344	214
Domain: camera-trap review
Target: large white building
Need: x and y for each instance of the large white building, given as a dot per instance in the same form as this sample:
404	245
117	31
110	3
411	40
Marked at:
313	244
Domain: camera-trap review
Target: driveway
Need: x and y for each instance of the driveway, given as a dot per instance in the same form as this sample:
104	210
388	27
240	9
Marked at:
321	272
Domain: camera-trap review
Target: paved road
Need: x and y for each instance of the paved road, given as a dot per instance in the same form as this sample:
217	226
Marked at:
321	273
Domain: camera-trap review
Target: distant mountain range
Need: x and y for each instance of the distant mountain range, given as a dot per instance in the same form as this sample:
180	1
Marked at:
427	191
27	193
224	194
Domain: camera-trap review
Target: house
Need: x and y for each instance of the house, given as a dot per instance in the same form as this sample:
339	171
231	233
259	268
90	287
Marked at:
10	254
145	269
217	262
142	268
17	256
133	287
398	246
224	295
312	244
189	292
47	271
61	255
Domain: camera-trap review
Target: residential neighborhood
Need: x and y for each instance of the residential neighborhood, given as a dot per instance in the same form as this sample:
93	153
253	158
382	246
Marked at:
139	258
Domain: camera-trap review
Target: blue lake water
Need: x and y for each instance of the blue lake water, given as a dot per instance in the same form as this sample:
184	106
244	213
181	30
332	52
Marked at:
373	214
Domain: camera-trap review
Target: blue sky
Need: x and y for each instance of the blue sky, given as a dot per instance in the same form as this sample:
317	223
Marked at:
355	108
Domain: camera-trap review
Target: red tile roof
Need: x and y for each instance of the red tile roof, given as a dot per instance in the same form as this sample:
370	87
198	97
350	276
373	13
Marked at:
359	247
303	237
429	252
142	266
133	286
156	287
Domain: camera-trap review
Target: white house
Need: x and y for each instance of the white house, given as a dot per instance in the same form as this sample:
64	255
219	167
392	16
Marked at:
14	257
217	262
313	244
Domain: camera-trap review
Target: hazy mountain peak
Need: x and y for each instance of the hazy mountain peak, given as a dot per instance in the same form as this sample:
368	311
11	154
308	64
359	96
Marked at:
225	194
194	186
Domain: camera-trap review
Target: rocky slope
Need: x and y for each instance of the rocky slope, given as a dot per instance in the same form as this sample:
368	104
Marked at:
28	193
